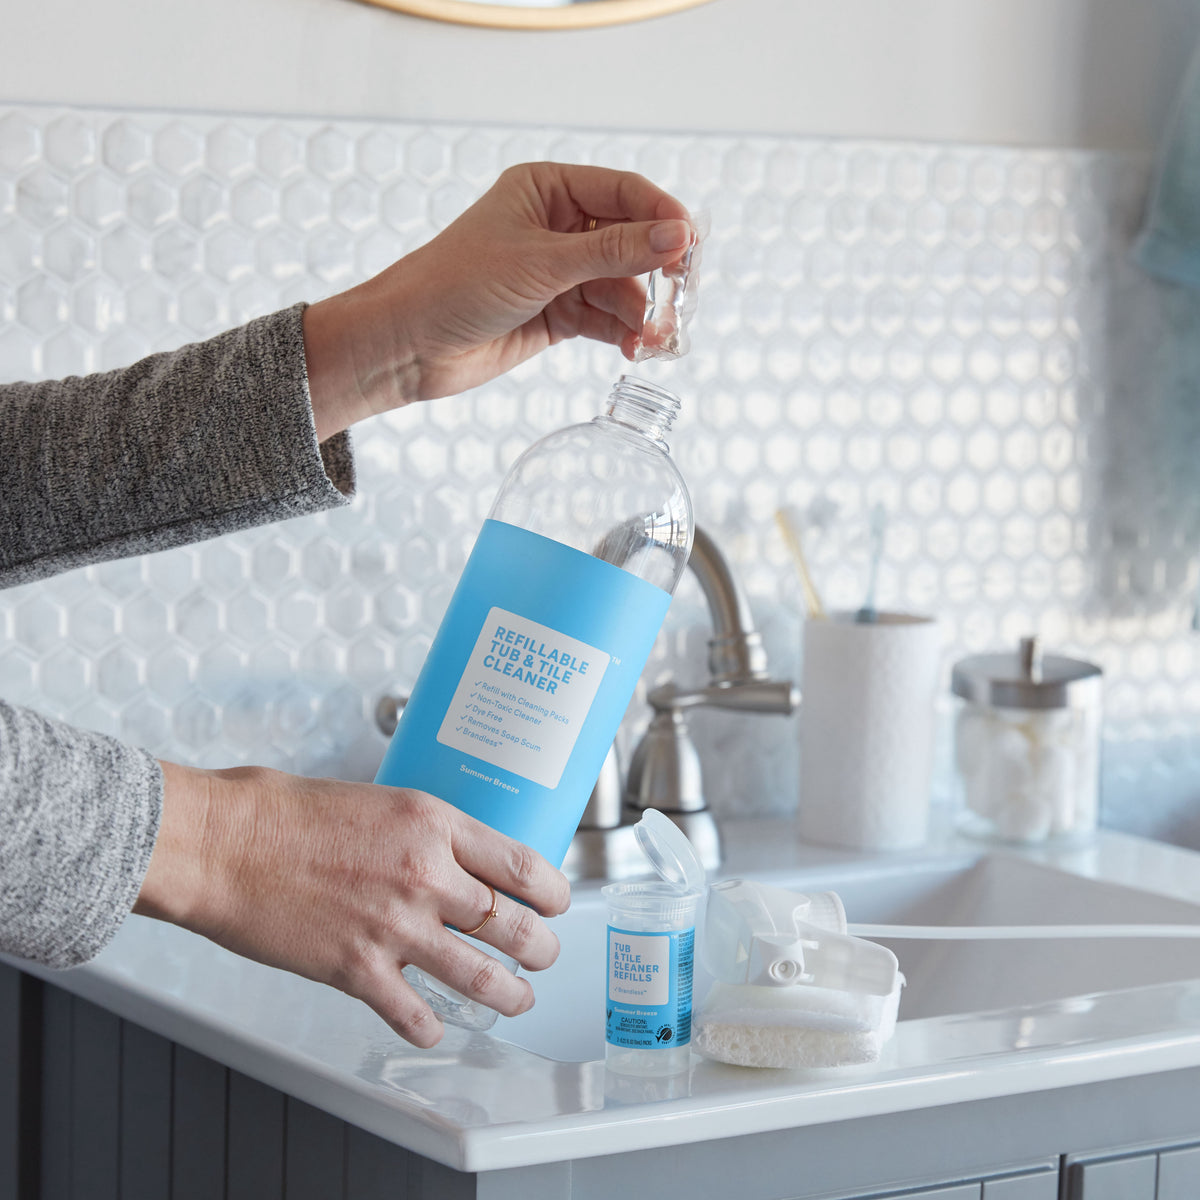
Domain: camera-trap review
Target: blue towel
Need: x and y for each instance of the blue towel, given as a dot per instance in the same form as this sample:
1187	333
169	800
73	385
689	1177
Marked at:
1169	244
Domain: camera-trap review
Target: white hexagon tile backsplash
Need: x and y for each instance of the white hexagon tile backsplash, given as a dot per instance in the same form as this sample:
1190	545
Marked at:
954	332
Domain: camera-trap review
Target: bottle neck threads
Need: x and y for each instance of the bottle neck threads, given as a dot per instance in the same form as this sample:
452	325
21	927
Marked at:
644	407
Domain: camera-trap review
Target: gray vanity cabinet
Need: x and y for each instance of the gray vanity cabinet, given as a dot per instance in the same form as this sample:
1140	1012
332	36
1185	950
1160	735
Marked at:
965	1191
95	1107
1040	1185
1179	1174
1134	1178
1147	1174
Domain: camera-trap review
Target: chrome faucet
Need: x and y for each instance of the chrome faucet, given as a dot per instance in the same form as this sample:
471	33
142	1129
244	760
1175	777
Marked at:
664	772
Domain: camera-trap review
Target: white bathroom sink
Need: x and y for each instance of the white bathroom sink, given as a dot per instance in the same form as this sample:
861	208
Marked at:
976	1020
944	978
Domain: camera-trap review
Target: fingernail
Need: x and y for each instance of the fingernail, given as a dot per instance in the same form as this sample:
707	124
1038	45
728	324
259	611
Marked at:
670	235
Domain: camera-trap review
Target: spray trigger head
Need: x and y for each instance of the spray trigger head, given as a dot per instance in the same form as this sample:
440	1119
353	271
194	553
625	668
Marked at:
758	934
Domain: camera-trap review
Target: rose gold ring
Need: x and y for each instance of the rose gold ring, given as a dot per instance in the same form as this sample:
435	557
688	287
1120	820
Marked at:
492	912
591	225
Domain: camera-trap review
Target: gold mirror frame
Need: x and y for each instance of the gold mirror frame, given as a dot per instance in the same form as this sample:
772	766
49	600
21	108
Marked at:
575	16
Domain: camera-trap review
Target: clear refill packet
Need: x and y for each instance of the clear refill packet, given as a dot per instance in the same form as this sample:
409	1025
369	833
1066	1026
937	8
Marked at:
671	296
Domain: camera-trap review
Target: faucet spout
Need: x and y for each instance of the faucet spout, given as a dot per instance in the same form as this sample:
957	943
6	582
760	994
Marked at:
735	650
665	770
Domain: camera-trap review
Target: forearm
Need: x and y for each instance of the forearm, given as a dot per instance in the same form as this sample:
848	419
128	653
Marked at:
358	363
210	438
181	875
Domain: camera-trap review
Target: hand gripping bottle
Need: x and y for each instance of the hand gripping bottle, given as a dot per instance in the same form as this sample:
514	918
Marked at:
547	633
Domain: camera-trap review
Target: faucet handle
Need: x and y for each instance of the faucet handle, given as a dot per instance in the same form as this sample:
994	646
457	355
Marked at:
388	710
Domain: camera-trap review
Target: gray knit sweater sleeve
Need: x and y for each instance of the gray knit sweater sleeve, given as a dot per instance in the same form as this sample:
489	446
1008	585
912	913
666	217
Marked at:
210	438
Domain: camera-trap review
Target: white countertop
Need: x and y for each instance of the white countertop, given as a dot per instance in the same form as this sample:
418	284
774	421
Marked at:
477	1102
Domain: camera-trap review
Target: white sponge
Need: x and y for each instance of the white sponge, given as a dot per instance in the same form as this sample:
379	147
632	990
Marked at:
753	1026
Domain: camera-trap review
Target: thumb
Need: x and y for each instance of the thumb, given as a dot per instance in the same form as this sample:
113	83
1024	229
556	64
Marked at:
625	248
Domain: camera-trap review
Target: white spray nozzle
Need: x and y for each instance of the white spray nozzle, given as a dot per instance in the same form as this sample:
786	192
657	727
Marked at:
757	934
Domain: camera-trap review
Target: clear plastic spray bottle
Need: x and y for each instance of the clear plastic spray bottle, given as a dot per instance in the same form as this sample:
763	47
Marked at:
547	633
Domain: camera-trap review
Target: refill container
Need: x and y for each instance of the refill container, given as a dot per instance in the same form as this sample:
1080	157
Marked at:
867	730
1027	744
546	634
651	948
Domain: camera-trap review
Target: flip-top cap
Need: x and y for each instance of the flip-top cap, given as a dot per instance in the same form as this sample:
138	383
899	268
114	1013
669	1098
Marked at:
670	853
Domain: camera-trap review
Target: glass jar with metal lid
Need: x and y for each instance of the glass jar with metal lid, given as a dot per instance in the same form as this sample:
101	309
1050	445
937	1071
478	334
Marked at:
1027	744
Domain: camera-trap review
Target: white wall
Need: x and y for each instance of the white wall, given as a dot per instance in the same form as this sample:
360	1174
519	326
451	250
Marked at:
1026	72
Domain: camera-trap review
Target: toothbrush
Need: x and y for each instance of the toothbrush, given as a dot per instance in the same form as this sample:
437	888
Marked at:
869	614
789	526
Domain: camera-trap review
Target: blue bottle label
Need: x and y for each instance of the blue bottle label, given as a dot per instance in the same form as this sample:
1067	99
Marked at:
526	682
649	988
